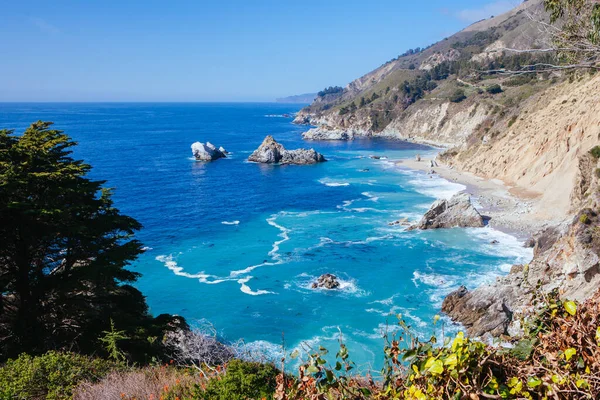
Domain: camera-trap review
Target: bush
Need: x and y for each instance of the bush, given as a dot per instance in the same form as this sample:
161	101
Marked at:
494	89
512	120
243	380
458	96
595	152
51	376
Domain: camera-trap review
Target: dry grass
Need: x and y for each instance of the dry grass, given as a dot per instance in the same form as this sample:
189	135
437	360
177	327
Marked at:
152	383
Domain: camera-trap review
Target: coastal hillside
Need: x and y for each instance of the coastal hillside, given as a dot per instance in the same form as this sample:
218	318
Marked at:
428	94
501	118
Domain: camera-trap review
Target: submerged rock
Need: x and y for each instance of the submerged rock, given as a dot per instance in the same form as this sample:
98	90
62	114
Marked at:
207	152
456	212
271	152
403	222
326	281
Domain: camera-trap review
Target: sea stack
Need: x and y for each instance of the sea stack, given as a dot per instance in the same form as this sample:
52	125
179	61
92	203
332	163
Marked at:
207	152
271	152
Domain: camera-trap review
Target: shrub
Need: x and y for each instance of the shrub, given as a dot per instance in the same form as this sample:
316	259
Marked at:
595	152
51	376
458	96
494	89
558	357
512	120
243	380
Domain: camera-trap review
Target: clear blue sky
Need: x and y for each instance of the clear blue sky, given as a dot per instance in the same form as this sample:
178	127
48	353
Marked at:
226	50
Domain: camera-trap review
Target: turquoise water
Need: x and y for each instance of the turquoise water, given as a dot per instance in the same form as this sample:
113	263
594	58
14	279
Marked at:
238	244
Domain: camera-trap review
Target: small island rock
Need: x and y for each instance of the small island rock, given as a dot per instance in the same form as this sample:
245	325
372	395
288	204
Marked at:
207	152
326	281
271	152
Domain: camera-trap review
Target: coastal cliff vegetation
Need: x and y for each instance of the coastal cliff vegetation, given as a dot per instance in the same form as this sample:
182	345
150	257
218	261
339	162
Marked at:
73	326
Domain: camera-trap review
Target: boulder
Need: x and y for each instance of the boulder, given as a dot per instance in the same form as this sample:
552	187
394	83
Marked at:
482	311
271	152
207	152
326	281
456	212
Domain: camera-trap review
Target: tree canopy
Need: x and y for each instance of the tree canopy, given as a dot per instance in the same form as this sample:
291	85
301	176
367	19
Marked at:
64	249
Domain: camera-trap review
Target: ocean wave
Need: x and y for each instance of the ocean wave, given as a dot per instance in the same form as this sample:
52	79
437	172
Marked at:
329	183
494	242
260	351
230	222
433	279
431	185
177	270
246	289
146	248
370	196
274	253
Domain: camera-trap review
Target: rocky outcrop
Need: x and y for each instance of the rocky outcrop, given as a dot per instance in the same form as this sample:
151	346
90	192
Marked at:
207	152
271	152
456	212
326	281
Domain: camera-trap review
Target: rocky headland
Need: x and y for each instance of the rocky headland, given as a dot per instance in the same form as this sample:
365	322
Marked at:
272	152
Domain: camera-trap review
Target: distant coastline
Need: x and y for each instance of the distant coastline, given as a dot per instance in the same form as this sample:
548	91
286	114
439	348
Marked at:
305	98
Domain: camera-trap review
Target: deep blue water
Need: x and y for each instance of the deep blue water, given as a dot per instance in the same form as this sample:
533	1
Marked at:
238	244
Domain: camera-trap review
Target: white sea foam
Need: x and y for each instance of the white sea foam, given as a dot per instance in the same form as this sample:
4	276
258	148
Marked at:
508	245
370	196
177	270
230	222
246	289
260	351
328	182
432	279
275	256
146	248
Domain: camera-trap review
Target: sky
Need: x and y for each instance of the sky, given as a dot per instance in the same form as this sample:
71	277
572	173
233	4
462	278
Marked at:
200	50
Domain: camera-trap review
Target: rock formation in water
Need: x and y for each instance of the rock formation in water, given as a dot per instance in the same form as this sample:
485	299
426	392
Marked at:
271	152
326	281
207	152
456	212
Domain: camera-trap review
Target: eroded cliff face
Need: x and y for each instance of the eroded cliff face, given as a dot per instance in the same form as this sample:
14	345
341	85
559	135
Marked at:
440	123
538	147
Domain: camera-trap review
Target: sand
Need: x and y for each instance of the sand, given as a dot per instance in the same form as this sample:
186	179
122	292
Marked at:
509	209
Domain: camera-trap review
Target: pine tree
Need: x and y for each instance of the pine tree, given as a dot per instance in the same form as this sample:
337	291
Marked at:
64	249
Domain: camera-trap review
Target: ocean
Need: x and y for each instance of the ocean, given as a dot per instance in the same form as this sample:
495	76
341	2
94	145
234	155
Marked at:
237	245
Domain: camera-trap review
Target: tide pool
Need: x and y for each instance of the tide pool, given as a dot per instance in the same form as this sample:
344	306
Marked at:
239	244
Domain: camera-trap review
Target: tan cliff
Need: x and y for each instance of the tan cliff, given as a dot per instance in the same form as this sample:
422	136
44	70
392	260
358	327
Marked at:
539	154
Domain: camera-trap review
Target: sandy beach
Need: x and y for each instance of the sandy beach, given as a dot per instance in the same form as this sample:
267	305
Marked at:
510	210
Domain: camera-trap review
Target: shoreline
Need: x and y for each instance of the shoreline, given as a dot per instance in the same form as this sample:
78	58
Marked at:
506	211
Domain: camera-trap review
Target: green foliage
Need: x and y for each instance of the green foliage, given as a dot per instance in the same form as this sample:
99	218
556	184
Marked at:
595	152
64	249
494	89
457	96
50	376
242	381
512	120
330	90
110	340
